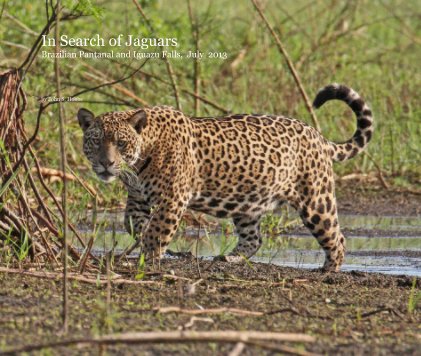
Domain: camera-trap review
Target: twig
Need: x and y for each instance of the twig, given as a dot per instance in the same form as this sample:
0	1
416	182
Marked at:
20	24
167	62
58	205
176	278
51	172
235	311
63	165
379	171
230	336
120	101
161	80
238	349
75	277
31	213
383	308
193	320
84	257
37	193
166	310
290	66
197	252
206	101
12	44
196	68
37	45
283	349
108	300
104	84
26	145
100	76
408	31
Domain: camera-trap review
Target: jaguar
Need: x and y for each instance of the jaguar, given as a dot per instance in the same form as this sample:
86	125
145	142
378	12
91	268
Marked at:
238	166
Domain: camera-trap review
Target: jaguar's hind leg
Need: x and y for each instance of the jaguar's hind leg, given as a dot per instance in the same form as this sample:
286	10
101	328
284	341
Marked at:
320	216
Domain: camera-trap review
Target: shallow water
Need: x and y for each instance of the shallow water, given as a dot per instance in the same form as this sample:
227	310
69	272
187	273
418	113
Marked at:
397	251
401	224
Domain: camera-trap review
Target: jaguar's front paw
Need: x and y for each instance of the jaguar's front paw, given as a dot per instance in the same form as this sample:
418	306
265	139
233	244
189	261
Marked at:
229	258
330	267
171	253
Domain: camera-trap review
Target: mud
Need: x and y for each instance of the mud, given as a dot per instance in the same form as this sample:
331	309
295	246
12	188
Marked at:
349	313
365	199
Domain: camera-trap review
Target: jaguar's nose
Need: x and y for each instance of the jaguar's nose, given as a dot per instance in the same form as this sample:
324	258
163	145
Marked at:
106	163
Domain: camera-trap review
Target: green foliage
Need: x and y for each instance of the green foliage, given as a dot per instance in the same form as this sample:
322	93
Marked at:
23	248
227	241
414	297
18	248
106	317
87	8
275	223
368	45
140	267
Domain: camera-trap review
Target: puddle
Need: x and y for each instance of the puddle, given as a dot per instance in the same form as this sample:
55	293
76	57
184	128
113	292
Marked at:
398	254
391	223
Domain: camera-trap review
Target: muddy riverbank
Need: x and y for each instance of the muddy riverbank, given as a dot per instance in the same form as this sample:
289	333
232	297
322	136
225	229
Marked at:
388	243
348	313
355	197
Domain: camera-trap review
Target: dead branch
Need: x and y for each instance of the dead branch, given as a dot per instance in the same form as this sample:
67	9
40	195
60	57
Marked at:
104	84
27	143
167	62
235	311
85	185
379	171
282	349
63	164
381	309
161	80
12	106
75	277
238	349
166	310
227	336
194	25
206	101
51	172
37	44
290	65
25	28
120	88
58	205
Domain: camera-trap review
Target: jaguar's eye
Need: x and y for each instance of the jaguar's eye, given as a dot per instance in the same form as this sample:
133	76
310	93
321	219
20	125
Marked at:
121	144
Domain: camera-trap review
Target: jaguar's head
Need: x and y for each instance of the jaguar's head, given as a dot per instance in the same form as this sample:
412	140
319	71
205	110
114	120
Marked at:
111	139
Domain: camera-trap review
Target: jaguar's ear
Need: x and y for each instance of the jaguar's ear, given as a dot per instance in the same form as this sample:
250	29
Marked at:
139	120
85	118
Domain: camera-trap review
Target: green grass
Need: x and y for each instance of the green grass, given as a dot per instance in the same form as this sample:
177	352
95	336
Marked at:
372	46
414	297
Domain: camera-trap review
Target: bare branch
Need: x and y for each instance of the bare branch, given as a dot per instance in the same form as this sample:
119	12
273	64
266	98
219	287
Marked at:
289	64
231	336
63	164
167	62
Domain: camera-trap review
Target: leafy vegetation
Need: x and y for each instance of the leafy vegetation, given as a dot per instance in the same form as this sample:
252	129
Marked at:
372	46
414	297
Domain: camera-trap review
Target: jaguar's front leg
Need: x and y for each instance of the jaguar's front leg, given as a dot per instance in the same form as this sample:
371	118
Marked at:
154	225
136	216
162	226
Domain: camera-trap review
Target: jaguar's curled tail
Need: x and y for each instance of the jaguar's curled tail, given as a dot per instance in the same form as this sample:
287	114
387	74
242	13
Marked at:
358	142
